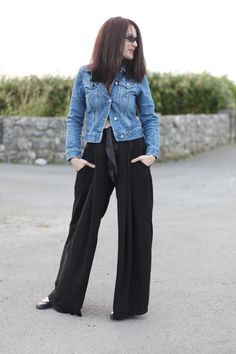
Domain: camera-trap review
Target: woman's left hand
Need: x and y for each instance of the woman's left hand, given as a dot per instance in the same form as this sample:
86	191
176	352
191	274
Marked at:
148	160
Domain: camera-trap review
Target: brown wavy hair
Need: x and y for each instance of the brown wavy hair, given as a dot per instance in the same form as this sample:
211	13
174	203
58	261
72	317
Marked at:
107	54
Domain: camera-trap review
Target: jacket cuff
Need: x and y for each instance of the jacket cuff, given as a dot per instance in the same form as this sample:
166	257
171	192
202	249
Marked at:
152	151
73	152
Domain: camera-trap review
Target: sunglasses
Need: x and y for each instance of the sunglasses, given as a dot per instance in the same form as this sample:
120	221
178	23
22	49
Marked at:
131	38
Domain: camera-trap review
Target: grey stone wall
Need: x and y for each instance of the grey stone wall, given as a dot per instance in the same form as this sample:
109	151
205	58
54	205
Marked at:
188	134
26	139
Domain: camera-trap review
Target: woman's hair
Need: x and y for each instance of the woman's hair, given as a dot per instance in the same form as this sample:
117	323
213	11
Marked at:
107	55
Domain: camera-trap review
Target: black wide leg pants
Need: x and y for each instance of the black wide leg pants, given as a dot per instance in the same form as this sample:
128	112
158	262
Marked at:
93	188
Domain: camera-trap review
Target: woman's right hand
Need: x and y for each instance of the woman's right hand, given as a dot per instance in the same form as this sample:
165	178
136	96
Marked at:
80	163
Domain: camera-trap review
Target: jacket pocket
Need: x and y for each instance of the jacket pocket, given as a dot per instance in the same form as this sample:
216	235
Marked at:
93	99
126	96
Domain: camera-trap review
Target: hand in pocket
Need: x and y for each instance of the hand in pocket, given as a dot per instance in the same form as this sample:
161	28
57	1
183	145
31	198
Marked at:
78	164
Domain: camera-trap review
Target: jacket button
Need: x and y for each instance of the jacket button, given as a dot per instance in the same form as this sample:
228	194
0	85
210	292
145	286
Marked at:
115	118
122	136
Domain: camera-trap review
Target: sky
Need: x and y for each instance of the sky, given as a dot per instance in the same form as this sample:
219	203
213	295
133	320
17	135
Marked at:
44	37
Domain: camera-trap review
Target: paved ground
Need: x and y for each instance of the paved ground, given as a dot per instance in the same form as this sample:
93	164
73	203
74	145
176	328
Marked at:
193	296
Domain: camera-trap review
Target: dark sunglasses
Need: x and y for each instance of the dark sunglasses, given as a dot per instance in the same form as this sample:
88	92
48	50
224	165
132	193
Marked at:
131	38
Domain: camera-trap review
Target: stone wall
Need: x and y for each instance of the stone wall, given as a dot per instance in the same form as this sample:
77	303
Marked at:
26	139
188	134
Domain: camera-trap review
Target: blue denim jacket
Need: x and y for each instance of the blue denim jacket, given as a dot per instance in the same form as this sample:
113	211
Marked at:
90	101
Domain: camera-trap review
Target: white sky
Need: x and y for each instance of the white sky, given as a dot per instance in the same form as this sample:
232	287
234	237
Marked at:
57	36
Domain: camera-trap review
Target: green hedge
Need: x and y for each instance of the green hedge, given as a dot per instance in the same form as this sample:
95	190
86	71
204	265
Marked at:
192	93
33	96
173	94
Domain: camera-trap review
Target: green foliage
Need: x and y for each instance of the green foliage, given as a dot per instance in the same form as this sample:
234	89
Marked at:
32	96
172	94
191	93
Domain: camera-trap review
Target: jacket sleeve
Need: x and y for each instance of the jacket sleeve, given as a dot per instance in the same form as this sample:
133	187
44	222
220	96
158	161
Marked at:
75	118
149	119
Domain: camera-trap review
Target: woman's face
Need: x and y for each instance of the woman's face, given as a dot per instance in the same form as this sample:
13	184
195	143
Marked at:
130	43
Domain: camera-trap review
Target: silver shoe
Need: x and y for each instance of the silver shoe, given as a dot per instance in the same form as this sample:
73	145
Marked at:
44	304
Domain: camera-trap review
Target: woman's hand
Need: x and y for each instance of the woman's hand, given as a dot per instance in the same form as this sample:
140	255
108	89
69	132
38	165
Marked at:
148	160
80	163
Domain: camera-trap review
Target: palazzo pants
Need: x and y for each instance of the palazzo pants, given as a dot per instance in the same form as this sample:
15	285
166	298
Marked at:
92	191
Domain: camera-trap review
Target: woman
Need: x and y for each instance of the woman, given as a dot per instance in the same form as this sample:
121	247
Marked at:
120	149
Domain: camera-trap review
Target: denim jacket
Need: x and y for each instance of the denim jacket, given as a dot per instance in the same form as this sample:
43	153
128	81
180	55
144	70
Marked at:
91	102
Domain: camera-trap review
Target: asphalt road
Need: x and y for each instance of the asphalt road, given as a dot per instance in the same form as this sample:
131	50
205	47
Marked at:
193	286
